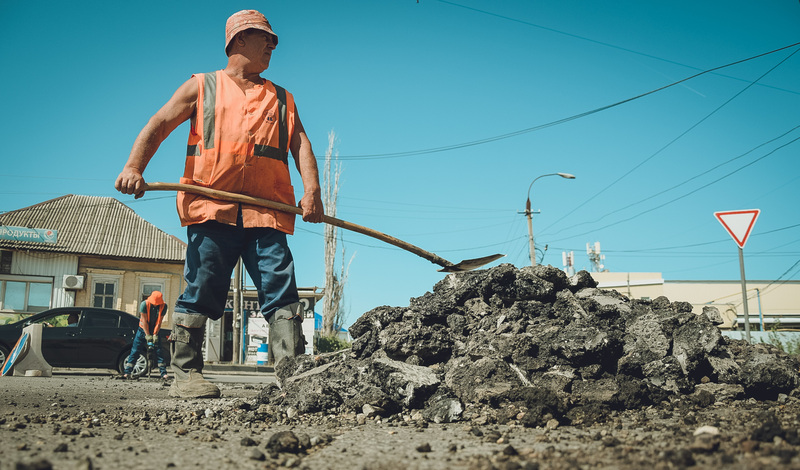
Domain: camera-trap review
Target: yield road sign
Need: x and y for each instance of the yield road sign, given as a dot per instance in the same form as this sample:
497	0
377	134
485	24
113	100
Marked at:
739	224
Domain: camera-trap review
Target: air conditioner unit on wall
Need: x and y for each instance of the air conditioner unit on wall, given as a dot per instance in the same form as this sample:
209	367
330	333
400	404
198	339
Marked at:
72	281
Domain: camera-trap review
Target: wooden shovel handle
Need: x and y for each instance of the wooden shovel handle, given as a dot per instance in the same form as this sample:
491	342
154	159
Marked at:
234	197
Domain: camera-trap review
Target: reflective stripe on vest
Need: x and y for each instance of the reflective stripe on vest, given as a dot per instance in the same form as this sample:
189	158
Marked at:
209	104
209	121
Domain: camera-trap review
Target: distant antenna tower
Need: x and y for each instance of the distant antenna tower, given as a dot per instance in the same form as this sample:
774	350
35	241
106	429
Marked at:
568	260
595	257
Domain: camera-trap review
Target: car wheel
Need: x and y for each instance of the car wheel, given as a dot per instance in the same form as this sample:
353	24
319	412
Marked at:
141	367
3	355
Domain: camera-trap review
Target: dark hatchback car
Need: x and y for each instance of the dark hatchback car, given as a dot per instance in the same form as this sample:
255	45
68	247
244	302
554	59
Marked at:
80	337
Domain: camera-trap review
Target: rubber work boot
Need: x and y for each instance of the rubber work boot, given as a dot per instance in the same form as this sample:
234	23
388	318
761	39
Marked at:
187	358
286	333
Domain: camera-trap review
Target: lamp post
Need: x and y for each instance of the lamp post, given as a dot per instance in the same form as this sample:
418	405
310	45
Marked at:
528	212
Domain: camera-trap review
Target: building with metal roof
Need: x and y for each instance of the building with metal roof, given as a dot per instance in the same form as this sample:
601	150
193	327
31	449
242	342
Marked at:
85	251
90	225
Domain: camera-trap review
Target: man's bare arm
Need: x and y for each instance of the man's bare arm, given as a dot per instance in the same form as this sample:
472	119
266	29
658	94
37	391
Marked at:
178	109
306	162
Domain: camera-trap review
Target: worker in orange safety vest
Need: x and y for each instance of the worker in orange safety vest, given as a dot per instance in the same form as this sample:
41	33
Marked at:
151	315
243	129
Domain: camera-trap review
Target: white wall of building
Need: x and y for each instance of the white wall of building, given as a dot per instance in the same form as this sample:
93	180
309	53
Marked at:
50	265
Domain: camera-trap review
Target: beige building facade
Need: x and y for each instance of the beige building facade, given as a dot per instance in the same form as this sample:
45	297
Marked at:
123	284
771	304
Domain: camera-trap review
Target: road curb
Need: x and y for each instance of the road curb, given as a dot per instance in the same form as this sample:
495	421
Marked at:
221	368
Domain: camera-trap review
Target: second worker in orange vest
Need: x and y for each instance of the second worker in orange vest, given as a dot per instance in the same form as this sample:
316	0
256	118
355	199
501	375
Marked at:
243	128
151	313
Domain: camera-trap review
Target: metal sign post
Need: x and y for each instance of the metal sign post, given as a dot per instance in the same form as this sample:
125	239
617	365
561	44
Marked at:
739	224
744	296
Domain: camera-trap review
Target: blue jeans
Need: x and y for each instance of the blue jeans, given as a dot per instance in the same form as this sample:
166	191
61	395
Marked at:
140	347
211	255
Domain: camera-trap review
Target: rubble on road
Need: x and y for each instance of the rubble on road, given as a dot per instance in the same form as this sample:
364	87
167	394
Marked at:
530	345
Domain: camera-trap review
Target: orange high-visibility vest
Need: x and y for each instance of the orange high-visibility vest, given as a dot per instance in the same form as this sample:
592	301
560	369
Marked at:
239	142
144	318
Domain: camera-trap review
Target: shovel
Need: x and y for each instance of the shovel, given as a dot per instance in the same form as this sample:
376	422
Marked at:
447	266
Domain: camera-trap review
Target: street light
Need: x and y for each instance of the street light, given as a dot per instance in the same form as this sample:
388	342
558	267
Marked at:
528	212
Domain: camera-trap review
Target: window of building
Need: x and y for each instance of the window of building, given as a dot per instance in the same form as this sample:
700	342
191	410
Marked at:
104	293
39	296
149	286
5	261
25	294
14	295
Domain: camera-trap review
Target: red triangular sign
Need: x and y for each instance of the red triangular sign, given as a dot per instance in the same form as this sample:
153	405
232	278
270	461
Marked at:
738	223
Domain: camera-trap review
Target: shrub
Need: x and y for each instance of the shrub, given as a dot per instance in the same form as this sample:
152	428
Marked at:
789	346
325	344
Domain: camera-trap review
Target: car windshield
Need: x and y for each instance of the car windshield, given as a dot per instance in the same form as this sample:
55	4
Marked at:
65	319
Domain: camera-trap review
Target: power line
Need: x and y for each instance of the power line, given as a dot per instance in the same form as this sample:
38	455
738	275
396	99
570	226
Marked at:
694	254
391	247
684	195
539	127
444	232
148	199
594	41
772	284
407	204
675	186
692	127
777	230
778	281
694	245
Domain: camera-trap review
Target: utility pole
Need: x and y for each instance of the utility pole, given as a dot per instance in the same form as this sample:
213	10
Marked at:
760	314
528	213
237	312
531	245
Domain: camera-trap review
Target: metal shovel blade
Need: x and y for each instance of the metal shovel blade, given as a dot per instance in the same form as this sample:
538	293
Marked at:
470	264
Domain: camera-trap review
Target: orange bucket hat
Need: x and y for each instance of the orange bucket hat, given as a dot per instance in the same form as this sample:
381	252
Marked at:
156	298
247	19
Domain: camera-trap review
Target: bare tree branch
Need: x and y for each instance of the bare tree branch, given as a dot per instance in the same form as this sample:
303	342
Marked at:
332	305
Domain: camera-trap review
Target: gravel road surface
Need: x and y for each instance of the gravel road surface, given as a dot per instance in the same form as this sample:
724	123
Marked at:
100	422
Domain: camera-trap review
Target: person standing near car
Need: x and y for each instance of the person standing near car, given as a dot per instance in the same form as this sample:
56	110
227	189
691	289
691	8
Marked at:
242	130
151	314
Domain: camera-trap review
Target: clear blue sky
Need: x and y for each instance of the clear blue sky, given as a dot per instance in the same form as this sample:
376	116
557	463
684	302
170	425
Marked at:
397	79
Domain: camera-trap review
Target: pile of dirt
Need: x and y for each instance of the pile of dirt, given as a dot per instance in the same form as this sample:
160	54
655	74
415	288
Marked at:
529	345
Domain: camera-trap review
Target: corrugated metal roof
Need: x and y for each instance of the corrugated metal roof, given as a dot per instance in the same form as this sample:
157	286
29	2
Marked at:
93	225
